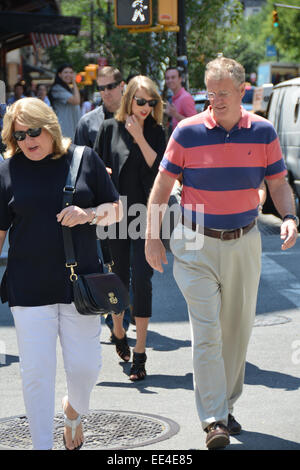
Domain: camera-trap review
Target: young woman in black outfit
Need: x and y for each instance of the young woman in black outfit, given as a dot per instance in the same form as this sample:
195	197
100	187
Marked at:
37	282
132	145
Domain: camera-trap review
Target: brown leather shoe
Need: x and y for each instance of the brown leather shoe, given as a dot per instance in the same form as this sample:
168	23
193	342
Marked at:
217	436
233	426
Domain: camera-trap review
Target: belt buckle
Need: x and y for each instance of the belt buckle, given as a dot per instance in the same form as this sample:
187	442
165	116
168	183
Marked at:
240	233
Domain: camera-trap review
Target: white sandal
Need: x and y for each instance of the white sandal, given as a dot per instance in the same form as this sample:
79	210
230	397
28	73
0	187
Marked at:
71	423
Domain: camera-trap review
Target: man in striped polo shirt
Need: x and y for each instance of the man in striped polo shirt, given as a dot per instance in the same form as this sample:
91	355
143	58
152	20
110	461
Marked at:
223	154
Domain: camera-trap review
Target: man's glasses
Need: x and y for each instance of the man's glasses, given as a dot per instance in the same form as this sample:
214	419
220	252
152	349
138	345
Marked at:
109	86
21	135
142	102
211	95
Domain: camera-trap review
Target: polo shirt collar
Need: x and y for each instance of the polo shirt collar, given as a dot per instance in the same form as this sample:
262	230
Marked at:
210	123
179	93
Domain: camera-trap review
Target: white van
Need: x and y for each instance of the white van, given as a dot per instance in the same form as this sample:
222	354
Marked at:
284	113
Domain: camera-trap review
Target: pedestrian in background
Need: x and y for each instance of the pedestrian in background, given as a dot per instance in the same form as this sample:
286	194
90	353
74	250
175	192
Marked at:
181	104
85	104
65	99
41	93
111	86
224	154
36	282
132	145
19	89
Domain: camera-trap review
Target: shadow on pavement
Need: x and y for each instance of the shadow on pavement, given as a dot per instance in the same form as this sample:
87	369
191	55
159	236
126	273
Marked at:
9	360
165	381
249	440
271	379
158	342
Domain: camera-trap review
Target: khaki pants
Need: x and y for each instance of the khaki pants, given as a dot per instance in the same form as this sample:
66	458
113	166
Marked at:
219	283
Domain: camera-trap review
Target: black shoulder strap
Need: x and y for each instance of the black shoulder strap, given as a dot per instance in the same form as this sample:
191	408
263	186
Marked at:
68	194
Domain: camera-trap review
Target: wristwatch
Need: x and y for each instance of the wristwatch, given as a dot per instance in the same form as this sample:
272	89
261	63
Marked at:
94	219
291	216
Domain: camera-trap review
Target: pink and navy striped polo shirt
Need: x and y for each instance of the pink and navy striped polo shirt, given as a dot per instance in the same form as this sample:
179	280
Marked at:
223	170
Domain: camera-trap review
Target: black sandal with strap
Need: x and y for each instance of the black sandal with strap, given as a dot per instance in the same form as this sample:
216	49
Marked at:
122	347
138	371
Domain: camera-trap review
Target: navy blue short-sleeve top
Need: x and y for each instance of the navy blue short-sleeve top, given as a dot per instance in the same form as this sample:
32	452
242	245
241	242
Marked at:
30	198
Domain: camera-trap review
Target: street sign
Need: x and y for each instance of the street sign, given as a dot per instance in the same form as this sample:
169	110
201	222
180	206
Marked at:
133	13
271	51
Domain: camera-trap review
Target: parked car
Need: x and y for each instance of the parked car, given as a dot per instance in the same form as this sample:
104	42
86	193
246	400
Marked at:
248	98
284	113
261	98
200	99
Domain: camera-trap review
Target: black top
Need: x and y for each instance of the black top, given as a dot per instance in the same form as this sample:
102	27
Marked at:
130	172
30	198
89	124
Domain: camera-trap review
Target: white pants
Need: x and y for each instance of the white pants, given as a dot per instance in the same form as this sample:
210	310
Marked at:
37	331
220	284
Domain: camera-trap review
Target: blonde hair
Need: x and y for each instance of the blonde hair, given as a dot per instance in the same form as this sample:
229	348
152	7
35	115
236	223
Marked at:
32	112
222	67
137	83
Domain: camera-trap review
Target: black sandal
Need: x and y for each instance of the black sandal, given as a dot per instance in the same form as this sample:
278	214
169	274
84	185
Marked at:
138	367
122	347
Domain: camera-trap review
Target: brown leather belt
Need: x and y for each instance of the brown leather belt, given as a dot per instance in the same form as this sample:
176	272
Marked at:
222	234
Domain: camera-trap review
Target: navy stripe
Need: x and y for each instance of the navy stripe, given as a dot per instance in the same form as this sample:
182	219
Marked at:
223	179
223	222
276	167
197	135
171	167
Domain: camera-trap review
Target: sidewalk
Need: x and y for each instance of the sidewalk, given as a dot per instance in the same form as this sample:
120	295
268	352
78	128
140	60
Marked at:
268	409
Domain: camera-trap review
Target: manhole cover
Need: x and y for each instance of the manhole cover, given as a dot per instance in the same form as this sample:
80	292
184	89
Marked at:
102	430
270	320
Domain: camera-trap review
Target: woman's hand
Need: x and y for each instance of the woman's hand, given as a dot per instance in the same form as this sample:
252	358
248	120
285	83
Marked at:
133	127
73	215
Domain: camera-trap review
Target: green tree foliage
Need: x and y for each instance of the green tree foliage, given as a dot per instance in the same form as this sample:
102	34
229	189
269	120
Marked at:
211	27
207	23
286	37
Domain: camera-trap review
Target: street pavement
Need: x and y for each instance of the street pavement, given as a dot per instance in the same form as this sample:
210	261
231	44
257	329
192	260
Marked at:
268	410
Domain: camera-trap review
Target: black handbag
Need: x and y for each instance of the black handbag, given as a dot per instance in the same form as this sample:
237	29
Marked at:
96	293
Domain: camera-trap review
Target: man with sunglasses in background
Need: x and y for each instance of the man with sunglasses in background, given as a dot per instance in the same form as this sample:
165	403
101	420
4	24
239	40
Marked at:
110	85
182	103
224	154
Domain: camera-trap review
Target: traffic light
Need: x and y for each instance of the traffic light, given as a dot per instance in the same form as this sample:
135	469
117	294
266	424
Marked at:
168	12
90	73
275	19
133	13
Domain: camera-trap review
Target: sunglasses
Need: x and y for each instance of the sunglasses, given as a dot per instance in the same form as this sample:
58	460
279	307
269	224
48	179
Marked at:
141	102
21	135
109	86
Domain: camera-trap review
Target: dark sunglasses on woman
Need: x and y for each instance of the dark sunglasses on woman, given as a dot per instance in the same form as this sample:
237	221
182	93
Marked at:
141	102
21	135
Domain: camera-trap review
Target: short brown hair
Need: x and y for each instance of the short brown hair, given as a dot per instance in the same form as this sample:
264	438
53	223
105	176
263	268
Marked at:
32	112
135	84
109	71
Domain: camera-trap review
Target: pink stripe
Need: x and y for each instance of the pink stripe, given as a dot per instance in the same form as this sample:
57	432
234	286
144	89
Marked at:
231	155
219	202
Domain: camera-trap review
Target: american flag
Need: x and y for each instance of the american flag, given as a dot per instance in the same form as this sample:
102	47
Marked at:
44	40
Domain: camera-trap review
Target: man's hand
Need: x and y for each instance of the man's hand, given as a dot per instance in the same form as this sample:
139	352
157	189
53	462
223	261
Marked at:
171	110
288	233
155	254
